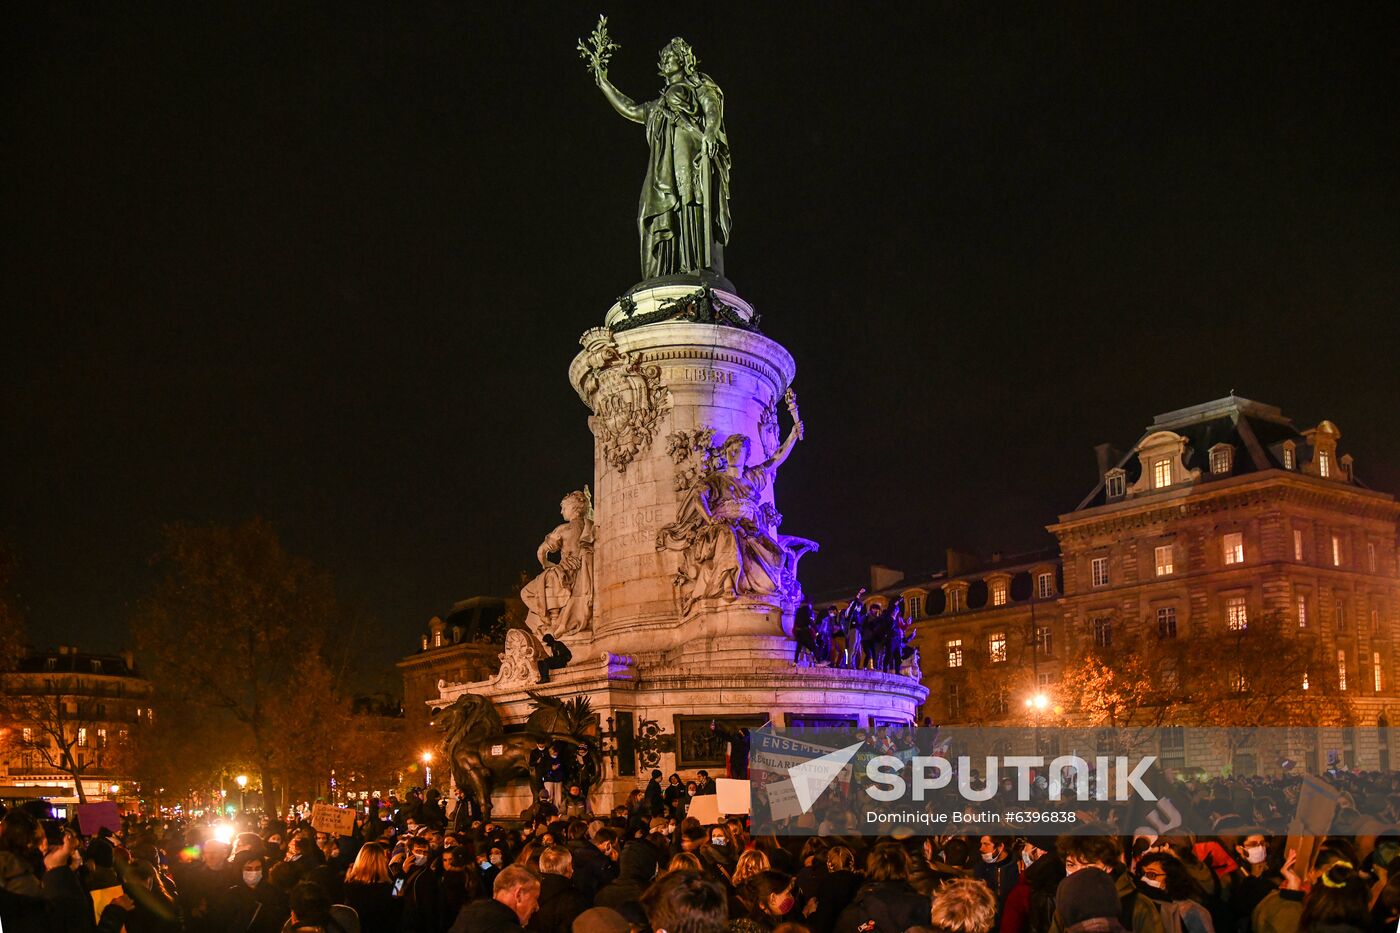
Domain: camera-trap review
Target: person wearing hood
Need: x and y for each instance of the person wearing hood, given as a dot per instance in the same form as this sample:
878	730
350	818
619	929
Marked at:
886	903
1087	902
1030	906
514	900
636	867
252	905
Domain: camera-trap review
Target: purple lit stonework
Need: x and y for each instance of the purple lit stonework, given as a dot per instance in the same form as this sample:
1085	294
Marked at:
676	595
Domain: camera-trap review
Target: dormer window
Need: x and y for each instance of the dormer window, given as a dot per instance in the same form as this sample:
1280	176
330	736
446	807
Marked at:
1290	456
1161	473
1115	484
1324	464
1348	468
96	666
1221	459
998	589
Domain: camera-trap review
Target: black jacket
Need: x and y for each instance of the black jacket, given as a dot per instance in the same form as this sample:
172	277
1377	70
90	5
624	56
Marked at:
376	905
592	869
884	907
486	915
560	904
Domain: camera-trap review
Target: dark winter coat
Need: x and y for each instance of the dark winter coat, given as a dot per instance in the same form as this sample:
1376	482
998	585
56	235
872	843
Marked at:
560	903
486	915
884	907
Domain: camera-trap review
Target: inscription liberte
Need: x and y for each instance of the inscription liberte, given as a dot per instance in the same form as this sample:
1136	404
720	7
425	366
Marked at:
707	375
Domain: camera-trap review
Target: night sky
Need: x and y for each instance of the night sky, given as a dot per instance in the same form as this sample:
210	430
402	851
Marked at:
328	265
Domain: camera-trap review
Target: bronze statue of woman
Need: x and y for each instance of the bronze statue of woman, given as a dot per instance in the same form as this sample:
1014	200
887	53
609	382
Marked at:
683	217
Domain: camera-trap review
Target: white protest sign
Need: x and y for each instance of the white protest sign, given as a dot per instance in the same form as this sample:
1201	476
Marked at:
733	796
782	800
705	809
332	820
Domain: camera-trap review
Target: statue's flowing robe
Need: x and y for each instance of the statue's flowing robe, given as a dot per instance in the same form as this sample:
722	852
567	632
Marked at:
562	599
671	214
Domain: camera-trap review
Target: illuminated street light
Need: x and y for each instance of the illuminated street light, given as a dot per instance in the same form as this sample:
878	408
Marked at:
427	769
115	789
242	782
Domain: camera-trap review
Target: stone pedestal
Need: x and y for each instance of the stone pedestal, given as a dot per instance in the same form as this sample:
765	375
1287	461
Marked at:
672	374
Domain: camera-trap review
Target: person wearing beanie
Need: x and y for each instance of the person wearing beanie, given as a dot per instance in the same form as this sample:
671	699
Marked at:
1087	902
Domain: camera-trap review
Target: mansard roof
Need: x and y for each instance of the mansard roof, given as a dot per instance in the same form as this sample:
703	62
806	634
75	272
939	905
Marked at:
1257	432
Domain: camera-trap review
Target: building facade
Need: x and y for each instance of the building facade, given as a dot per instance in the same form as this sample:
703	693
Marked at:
68	705
1222	516
461	647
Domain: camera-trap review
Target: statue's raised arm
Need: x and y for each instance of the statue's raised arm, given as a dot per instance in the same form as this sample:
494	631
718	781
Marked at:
683	215
794	435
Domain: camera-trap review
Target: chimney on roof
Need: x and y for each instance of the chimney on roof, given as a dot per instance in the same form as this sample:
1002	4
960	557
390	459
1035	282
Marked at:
961	562
1107	456
882	577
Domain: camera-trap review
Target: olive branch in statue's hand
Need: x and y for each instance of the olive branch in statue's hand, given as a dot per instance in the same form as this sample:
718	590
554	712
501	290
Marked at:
599	48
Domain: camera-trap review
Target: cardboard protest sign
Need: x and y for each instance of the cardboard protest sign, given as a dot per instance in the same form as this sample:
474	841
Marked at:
94	816
705	809
332	820
1317	804
733	796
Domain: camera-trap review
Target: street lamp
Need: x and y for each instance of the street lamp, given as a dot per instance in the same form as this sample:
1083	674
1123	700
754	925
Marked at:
242	782
427	769
114	789
1037	704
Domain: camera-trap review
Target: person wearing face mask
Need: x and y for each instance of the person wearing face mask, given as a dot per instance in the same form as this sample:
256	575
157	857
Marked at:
1256	880
252	905
1030	906
1170	886
420	892
767	898
997	869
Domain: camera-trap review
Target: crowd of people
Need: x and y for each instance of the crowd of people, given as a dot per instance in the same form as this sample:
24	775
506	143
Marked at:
647	868
856	636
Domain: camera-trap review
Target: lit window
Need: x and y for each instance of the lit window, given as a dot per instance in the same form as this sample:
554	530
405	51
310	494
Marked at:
1166	622
916	607
1161	473
955	652
1376	671
1324	464
996	647
1302	611
1341	670
954	600
123	735
1371	556
101	738
1103	632
1297	544
82	736
998	592
1305	680
1238	682
437	639
1236	614
1098	571
28	734
1234	548
1336	551
1288	457
1044	640
1043	680
1115	485
1220	460
1045	585
1339	615
1163	555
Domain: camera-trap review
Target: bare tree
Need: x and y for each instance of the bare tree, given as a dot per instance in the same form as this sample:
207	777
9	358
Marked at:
65	729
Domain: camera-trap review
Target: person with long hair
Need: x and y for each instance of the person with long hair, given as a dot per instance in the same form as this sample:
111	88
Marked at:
1168	883
749	864
1337	903
370	891
767	899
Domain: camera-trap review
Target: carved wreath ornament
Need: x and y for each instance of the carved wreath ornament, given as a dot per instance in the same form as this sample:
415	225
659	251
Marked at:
626	396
